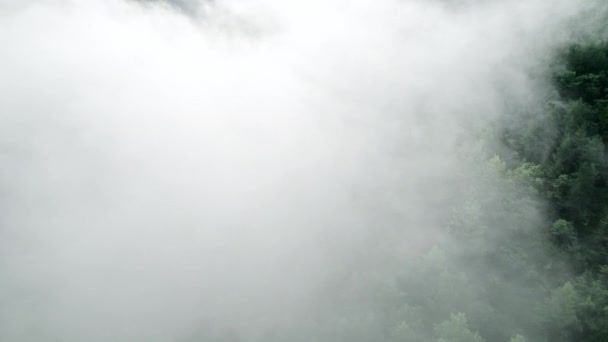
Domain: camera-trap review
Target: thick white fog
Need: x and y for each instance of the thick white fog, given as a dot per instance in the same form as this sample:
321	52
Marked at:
170	173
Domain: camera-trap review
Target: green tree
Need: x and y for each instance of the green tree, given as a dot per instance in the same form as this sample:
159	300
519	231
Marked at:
456	329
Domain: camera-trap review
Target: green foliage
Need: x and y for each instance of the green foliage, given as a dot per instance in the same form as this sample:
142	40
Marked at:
521	274
592	307
566	161
562	308
564	234
585	76
456	329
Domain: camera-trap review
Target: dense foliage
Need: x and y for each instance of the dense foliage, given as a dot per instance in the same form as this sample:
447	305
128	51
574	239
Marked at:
535	265
568	150
543	280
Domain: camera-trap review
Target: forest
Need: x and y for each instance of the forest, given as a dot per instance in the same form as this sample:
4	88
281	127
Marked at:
561	164
540	279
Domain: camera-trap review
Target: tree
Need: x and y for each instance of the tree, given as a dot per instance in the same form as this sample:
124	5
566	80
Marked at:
456	329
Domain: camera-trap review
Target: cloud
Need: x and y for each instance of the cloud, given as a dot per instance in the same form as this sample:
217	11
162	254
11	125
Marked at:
163	173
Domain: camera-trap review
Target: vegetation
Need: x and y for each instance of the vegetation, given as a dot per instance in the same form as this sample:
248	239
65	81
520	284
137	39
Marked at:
523	277
568	152
547	284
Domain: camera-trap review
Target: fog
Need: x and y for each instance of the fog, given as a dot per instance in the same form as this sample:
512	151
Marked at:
204	170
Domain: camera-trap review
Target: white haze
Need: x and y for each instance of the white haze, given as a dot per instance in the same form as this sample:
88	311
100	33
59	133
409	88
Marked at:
162	172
